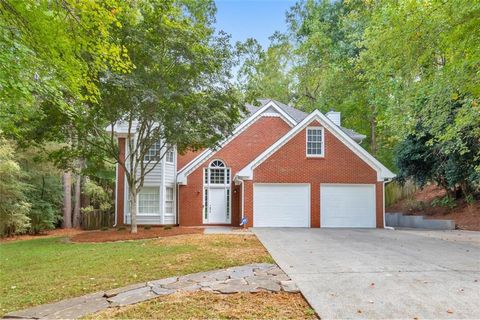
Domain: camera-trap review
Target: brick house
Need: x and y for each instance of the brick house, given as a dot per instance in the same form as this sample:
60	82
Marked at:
280	167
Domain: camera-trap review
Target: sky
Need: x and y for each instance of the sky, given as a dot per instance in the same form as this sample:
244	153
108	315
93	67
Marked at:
257	19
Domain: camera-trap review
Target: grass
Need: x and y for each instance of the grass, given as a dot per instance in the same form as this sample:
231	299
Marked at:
204	305
39	271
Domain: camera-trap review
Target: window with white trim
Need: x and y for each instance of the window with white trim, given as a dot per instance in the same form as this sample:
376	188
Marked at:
149	201
170	155
315	142
168	200
153	153
217	173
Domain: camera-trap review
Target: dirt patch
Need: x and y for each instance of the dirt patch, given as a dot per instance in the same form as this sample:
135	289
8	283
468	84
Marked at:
122	235
45	234
466	216
260	305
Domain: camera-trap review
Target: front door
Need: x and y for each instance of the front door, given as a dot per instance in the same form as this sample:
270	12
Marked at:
217	206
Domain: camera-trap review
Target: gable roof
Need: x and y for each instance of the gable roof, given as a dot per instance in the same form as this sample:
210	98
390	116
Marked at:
382	172
299	115
202	157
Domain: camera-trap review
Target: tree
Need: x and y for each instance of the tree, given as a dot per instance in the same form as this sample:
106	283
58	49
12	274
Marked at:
265	73
13	207
179	93
42	187
419	158
51	55
315	65
428	51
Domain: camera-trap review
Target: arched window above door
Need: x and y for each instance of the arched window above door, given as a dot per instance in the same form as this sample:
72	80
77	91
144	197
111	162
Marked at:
217	173
217	164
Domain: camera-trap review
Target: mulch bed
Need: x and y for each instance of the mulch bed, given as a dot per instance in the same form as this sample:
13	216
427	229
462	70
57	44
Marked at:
122	235
45	234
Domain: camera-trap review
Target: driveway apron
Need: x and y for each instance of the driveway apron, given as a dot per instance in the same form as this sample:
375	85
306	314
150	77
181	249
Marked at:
383	274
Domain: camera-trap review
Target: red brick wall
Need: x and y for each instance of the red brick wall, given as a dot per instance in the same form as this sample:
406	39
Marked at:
184	159
120	201
236	155
289	164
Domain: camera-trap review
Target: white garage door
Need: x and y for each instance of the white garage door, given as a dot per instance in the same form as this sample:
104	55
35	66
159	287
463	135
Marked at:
344	206
281	205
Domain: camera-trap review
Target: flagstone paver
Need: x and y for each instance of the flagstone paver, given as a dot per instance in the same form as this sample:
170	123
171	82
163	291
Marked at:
249	278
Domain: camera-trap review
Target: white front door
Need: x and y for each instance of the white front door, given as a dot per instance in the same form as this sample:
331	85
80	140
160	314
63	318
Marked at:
217	206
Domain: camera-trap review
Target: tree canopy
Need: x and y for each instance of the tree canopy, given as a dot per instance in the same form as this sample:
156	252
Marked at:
405	73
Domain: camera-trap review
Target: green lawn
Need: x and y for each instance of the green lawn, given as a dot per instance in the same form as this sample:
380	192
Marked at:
39	271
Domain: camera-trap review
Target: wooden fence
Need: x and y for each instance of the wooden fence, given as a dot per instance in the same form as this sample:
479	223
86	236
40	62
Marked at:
97	219
394	191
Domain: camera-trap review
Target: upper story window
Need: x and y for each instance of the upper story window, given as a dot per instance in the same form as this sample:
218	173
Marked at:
170	155
315	142
154	153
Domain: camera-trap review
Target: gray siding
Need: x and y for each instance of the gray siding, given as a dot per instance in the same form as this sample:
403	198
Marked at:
163	175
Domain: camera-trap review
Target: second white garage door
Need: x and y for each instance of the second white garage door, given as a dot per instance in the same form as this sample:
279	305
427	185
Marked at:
347	206
281	205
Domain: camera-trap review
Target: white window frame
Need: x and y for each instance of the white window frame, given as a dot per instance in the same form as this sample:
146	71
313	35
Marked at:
146	158
170	149
159	205
322	155
172	201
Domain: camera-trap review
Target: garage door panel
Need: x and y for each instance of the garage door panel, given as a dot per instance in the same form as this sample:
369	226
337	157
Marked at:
347	206
281	205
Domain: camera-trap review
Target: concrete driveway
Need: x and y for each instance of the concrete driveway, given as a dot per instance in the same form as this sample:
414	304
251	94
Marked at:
374	273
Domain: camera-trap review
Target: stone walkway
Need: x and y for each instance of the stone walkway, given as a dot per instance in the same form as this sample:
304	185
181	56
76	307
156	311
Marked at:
248	278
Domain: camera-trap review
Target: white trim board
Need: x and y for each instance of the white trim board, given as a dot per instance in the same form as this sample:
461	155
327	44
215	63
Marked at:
206	154
382	172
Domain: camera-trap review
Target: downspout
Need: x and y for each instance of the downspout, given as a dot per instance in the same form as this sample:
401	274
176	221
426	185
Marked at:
384	222
116	194
177	207
243	199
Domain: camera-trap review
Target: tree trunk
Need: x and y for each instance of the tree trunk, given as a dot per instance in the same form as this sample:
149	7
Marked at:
78	194
373	133
76	208
133	210
67	199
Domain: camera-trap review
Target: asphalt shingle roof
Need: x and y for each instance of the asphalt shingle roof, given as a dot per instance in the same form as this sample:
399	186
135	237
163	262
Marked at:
298	116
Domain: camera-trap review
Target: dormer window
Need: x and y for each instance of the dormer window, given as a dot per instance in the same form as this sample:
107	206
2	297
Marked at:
315	142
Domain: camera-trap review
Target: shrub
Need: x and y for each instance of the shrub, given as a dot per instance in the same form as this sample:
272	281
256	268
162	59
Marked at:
445	202
43	216
168	227
104	228
99	198
470	199
147	227
13	205
44	190
415	205
121	228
